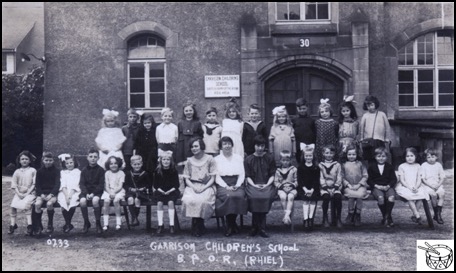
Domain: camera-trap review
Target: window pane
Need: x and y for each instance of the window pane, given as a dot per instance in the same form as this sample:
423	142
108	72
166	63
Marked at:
405	100
323	11
446	87
282	11
405	88
446	75
406	76
421	58
136	86
157	86
156	70
311	11
136	71
295	11
425	100
157	100
151	41
425	75
143	41
425	88
4	62
446	100
137	100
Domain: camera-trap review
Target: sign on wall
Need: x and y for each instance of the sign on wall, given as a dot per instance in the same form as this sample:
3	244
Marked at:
217	86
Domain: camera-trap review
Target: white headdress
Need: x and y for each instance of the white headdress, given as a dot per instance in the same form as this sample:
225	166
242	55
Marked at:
304	146
63	157
349	98
324	100
107	112
279	109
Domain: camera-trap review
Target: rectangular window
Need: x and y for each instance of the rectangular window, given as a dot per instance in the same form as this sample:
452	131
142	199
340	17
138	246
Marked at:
146	84
4	68
426	71
302	11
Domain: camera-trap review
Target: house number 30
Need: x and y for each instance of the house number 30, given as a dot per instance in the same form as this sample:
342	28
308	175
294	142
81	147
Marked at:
304	42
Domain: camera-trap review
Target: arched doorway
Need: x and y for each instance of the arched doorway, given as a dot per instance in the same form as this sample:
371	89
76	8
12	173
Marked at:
310	83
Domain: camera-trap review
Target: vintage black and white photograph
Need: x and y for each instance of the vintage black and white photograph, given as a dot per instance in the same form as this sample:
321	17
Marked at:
214	136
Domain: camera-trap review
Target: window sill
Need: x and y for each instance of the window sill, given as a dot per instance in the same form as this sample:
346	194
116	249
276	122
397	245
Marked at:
423	114
302	28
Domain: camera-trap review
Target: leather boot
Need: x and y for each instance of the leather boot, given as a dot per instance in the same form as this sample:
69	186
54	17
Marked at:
85	216
439	215
436	213
134	220
357	219
383	211
349	219
50	227
325	222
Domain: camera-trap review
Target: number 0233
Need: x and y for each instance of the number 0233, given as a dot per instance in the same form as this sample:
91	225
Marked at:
304	42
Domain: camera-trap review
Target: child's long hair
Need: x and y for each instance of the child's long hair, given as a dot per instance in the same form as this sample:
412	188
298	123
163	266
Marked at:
64	157
414	151
147	117
172	166
350	106
280	110
325	105
27	154
352	147
233	105
195	113
314	158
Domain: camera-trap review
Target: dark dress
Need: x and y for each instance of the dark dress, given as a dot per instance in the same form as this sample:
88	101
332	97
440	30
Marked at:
146	146
260	169
249	134
166	180
305	132
309	177
187	129
137	181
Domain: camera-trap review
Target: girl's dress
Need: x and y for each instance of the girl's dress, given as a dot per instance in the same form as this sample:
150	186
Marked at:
114	181
110	140
309	177
327	132
260	169
199	205
230	171
211	137
23	179
411	175
354	173
348	134
146	146
287	176
187	129
70	181
167	180
233	128
283	136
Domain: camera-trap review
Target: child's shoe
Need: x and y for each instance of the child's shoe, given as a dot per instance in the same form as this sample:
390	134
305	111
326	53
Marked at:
414	219
357	217
12	228
390	222
29	230
159	230
418	221
349	219
49	229
171	230
117	227
105	228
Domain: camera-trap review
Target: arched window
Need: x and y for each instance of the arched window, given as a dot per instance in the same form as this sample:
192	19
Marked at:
426	72
146	72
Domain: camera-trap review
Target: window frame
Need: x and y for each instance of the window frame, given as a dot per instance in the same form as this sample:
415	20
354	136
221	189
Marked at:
302	9
415	67
147	79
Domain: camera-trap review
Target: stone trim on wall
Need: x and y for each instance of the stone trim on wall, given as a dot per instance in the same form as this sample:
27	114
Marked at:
170	36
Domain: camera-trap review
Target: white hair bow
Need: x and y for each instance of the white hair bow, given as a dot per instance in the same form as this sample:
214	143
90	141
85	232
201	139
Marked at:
62	157
162	153
139	112
324	100
304	146
279	109
110	112
349	98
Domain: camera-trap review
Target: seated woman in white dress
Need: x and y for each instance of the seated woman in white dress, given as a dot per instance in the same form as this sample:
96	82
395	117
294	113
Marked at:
198	200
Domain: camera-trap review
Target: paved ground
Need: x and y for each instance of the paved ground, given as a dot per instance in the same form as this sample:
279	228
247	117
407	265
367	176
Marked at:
370	247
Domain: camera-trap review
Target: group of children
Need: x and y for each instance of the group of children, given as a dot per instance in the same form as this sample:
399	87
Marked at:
143	159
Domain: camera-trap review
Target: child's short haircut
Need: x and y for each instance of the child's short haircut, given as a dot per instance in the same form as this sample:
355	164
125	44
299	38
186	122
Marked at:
381	150
285	154
325	106
413	151
27	154
166	110
330	147
259	140
300	102
352	147
132	111
47	155
211	110
225	139
148	117
93	150
64	157
371	99
200	141
119	162
136	158
430	151
254	106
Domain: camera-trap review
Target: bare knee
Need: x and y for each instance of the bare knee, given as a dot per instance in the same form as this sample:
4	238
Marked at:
137	202
130	201
381	200
391	199
160	205
96	202
170	205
